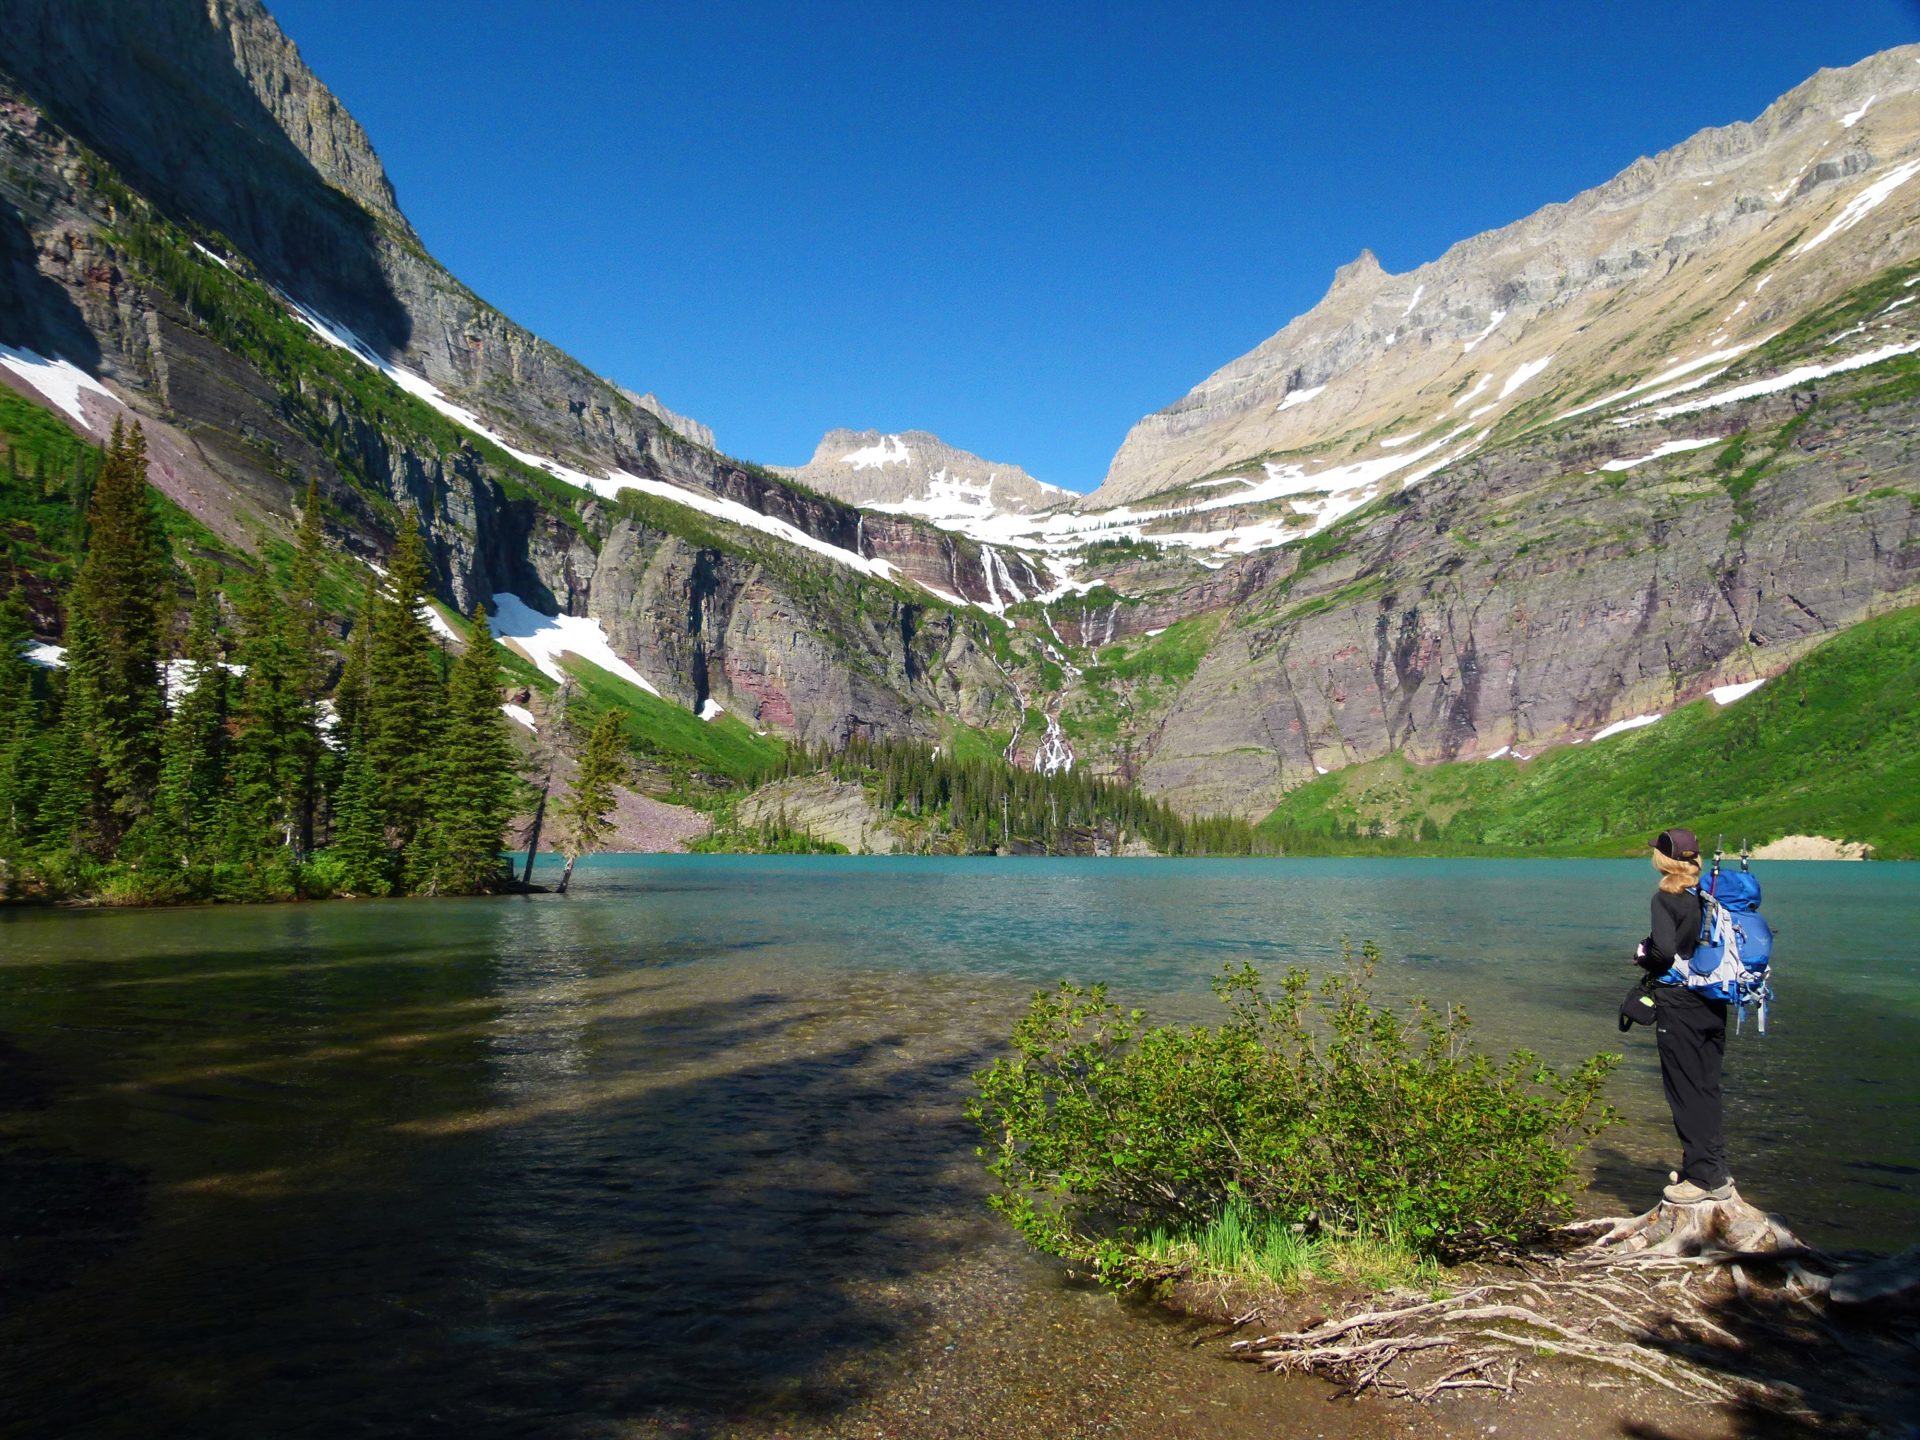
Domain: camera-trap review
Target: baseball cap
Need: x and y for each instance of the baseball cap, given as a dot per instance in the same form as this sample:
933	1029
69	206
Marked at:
1679	842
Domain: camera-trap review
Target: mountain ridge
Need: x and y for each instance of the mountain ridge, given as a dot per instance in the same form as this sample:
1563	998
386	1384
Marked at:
1448	301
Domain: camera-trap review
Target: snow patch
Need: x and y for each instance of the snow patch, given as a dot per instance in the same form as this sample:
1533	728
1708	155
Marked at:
1862	205
1478	386
438	623
711	709
1727	694
60	381
1525	373
1418	291
1492	325
51	657
519	714
1798	376
1620	727
1399	440
1501	753
1848	121
890	450
543	639
1672	447
608	485
1299	397
1713	357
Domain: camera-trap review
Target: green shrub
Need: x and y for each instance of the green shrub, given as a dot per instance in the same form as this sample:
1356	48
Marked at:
1312	1105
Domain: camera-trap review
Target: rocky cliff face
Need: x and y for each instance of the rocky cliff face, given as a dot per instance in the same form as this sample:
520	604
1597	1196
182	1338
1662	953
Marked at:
920	474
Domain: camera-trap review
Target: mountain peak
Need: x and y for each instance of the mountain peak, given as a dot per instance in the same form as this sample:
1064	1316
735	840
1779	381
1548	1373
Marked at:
912	469
1363	270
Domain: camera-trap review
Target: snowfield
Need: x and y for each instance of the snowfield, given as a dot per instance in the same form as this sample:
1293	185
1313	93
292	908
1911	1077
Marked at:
1797	376
60	381
1862	205
1727	694
1620	727
1672	447
890	450
1525	373
1492	325
543	639
720	508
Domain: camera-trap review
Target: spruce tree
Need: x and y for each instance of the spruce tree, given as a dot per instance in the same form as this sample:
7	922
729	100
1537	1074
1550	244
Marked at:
582	821
22	777
351	694
193	750
472	798
405	697
306	640
270	728
360	851
116	618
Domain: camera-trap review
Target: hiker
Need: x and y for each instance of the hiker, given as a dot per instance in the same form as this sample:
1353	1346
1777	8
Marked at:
1692	1028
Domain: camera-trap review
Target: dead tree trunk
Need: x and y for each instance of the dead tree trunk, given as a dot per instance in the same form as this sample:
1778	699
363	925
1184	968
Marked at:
533	830
566	875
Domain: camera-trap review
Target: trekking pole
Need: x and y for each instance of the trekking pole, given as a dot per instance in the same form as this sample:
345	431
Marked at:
1745	854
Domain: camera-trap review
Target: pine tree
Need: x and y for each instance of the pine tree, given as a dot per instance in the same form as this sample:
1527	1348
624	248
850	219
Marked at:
306	639
270	729
115	624
22	761
359	834
582	821
472	797
351	695
193	750
405	697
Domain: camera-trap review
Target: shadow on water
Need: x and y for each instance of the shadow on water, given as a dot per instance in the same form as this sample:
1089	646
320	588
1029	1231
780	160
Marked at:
530	1207
155	89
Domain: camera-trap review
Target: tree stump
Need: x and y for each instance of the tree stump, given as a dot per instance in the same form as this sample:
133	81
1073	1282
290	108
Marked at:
1729	1227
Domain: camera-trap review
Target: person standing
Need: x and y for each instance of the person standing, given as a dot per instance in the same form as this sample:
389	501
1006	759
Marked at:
1692	1029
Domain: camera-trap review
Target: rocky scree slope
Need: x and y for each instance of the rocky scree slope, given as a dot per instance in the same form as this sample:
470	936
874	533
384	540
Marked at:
194	233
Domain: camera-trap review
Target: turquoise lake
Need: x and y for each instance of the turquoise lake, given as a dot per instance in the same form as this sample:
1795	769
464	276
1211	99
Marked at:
682	1153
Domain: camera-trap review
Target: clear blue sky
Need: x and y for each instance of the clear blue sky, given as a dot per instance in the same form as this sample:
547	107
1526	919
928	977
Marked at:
1019	226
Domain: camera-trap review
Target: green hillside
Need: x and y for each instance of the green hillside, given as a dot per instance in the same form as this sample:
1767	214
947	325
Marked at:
672	737
1829	747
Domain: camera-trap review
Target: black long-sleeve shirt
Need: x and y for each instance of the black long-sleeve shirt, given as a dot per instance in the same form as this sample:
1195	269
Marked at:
1676	930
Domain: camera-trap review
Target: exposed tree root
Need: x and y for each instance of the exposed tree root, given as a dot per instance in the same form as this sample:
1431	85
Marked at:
1698	1300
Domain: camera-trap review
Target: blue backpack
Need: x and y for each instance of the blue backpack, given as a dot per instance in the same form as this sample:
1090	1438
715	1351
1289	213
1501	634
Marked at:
1733	960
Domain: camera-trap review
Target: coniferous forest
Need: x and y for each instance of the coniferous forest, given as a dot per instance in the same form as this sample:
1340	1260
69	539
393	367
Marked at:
261	764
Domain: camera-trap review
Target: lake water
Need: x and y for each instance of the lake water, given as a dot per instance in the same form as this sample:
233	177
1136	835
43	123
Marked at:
682	1153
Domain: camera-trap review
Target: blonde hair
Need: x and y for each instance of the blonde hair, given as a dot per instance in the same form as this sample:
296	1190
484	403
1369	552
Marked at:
1676	875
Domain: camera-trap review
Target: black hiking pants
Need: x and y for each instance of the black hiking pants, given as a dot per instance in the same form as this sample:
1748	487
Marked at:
1693	1042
